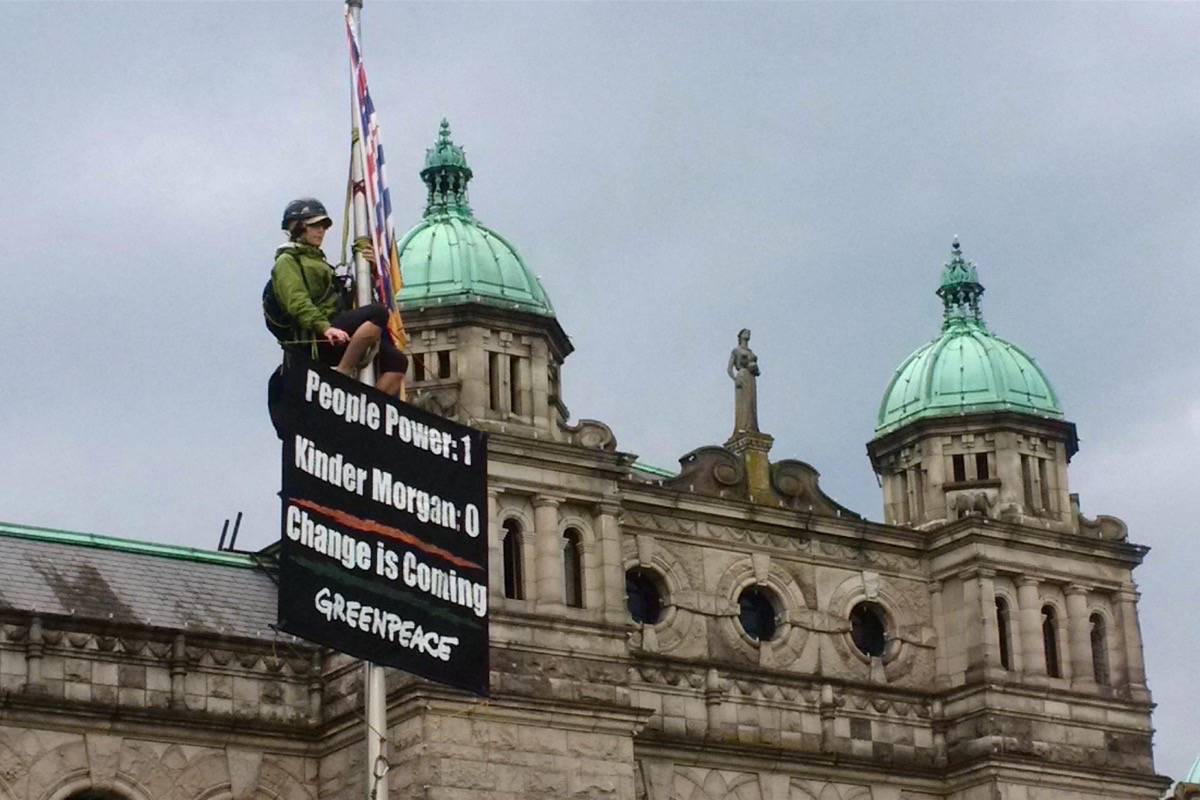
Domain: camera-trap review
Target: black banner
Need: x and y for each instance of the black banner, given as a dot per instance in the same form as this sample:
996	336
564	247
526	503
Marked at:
384	546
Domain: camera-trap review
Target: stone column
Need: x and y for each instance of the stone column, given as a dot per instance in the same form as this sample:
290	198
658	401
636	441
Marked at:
829	742
608	535
1008	470
315	687
592	573
979	620
34	647
549	553
935	472
1131	637
179	672
972	628
495	551
937	724
941	673
525	386
472	374
1079	633
504	376
1063	489
991	630
539	383
972	624
714	696
1033	656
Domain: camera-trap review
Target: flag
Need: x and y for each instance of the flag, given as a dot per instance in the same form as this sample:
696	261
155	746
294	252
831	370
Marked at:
388	281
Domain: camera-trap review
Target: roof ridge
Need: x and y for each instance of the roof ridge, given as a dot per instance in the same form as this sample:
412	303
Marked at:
137	546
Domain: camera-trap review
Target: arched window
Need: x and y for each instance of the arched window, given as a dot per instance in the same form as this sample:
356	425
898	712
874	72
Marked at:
572	554
1002	632
1050	641
1099	650
514	573
96	794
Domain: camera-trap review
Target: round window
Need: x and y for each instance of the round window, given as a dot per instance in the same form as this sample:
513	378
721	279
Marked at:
868	628
643	596
757	613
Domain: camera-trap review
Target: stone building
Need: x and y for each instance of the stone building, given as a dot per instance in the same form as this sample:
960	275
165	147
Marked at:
1189	787
724	631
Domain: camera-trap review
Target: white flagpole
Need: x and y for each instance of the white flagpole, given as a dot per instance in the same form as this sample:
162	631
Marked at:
374	685
362	270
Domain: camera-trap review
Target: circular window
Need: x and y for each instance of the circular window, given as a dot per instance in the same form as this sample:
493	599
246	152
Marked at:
757	612
868	628
643	596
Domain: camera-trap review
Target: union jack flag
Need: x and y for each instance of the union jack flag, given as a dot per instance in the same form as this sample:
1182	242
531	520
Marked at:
388	281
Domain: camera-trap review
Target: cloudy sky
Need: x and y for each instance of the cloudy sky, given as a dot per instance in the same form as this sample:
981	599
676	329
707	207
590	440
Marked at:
673	172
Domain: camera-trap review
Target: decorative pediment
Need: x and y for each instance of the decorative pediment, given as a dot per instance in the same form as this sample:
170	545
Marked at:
715	471
592	434
711	471
1104	527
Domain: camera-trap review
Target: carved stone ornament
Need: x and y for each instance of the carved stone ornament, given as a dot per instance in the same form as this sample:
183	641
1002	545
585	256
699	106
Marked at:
442	402
971	503
681	622
710	471
788	643
910	642
796	484
1103	527
592	434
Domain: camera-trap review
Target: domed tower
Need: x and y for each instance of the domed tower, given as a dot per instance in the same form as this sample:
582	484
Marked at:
486	347
969	425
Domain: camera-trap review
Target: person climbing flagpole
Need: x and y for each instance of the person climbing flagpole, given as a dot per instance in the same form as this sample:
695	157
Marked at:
371	204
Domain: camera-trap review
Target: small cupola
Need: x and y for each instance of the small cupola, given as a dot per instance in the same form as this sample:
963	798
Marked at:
486	347
969	424
446	175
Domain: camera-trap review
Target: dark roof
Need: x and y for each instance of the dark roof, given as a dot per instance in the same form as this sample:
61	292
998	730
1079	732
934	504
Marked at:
132	582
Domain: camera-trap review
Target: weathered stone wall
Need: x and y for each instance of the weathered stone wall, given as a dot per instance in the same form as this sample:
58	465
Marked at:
589	706
76	663
48	764
150	714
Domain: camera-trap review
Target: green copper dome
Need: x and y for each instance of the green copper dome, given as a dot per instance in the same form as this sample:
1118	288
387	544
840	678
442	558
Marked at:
1194	775
967	369
451	259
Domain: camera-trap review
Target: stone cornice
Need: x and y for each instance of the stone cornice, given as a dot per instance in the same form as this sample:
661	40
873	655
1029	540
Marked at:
841	548
544	453
435	316
40	710
954	535
991	421
93	636
693	508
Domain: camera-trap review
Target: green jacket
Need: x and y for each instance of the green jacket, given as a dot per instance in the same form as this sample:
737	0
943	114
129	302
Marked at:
311	299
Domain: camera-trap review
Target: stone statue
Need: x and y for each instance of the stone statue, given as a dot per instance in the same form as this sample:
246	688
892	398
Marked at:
743	369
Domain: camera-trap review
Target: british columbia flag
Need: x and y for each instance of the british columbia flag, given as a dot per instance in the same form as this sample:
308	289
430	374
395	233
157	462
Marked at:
379	202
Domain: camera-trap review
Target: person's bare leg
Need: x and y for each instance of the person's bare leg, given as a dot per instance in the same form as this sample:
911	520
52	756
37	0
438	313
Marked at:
366	335
391	383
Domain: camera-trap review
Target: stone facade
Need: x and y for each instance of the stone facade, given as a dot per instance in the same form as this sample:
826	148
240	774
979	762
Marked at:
980	644
588	704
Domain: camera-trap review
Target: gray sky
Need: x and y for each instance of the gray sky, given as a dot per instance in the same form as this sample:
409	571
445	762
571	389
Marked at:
673	172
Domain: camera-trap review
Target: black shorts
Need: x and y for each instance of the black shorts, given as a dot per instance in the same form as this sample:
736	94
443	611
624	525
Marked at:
390	357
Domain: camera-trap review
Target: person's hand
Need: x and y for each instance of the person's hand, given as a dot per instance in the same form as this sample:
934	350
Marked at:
368	253
336	336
